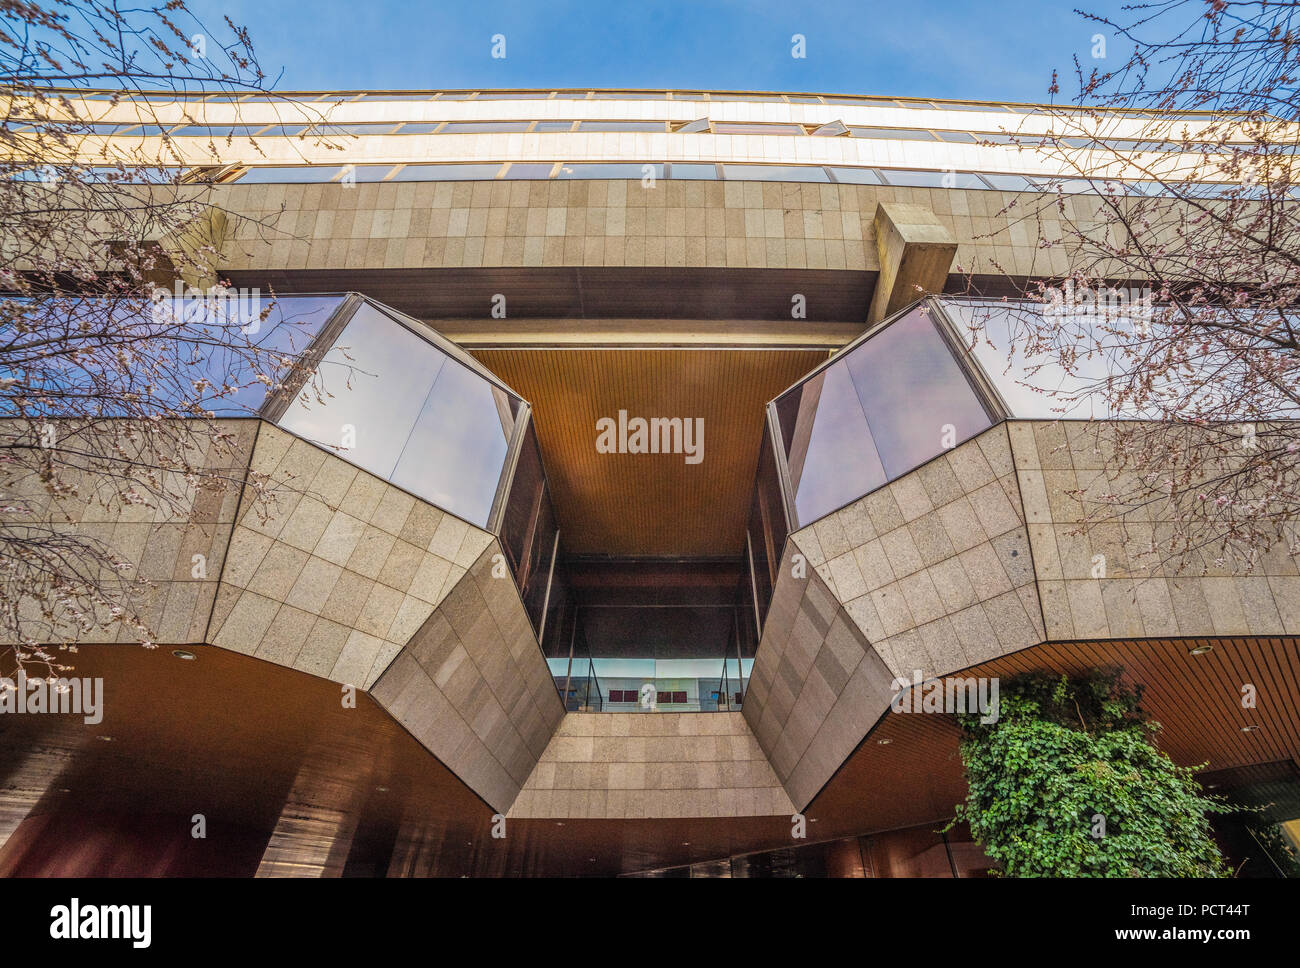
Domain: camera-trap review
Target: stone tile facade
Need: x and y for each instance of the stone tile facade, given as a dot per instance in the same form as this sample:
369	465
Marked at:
472	686
337	575
934	568
817	684
971	557
612	223
1136	596
642	765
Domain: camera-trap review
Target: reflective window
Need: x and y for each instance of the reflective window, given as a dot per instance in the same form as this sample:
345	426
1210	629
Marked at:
734	127
527	169
767	531
446	172
397	406
680	169
528	528
208	354
474	127
892	134
886	406
621	126
855	176
632	171
295	175
916	179
1008	183
790	173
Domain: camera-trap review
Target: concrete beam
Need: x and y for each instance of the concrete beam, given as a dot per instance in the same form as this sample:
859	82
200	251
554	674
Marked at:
915	251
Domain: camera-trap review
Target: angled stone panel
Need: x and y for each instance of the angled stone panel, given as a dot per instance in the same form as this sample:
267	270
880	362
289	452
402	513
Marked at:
643	765
1136	596
930	572
159	544
339	571
935	568
817	684
472	685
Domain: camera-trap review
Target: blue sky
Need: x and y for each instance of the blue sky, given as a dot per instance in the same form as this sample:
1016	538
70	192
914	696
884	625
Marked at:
979	49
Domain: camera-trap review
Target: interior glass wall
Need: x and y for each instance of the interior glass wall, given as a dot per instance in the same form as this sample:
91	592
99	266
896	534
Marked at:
886	405
653	636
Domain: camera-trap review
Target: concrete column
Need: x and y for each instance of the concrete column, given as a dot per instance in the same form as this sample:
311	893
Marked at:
915	251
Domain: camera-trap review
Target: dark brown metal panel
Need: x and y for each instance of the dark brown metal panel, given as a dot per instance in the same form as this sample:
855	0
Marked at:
915	774
590	292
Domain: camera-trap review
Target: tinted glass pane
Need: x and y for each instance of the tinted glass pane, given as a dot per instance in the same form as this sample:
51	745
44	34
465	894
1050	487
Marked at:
474	127
887	406
767	529
702	172
303	174
610	171
832	457
856	176
528	528
917	179
800	173
377	375
409	414
530	170
892	134
737	127
911	390
209	352
446	172
621	126
456	450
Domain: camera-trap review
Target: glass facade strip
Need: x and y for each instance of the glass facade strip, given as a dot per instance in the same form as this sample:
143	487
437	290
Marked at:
469	172
786	173
211	352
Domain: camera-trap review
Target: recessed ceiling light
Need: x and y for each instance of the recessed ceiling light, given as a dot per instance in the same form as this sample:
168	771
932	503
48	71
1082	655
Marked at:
184	654
106	739
884	742
381	789
1200	650
1249	729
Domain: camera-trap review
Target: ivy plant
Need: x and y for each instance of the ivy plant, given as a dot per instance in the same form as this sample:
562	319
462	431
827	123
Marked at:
1067	782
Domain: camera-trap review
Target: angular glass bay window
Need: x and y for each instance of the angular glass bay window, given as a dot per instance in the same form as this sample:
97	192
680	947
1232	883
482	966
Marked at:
391	401
388	394
378	389
884	406
900	395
